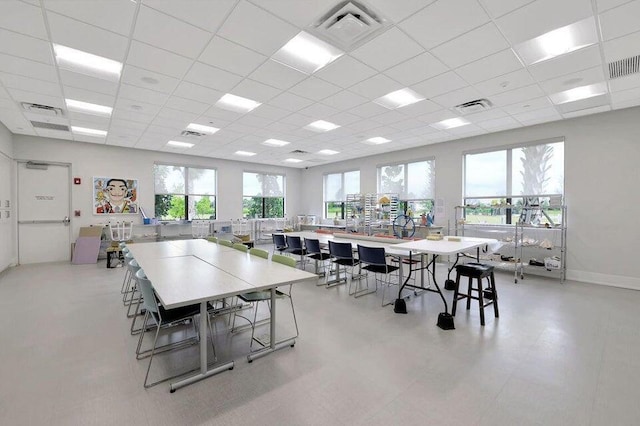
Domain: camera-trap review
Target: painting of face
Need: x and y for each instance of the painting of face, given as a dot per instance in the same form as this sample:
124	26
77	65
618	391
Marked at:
115	196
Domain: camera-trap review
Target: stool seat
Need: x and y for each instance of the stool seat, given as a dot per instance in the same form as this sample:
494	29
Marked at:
474	270
486	297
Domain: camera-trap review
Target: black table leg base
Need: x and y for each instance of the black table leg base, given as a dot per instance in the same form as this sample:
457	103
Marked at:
445	321
400	306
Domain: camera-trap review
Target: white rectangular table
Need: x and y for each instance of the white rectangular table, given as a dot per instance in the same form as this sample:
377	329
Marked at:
196	271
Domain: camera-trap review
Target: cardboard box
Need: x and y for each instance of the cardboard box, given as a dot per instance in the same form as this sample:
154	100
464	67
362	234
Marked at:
91	231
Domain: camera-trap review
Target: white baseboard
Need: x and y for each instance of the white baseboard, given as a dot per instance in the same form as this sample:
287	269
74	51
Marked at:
632	283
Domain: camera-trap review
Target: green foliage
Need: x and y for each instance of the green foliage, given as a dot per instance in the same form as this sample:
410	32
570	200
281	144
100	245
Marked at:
163	204
262	207
177	207
204	208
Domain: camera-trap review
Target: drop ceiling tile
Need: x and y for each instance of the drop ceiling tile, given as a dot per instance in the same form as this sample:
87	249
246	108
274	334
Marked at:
489	67
368	110
215	78
476	44
187	105
299	120
417	69
620	21
207	15
123	113
26	47
128	127
624	96
112	15
595	101
253	121
489	114
56	134
298	13
621	48
398	10
277	75
81	81
319	111
257	29
167	131
376	86
389	118
518	95
290	102
345	71
88	121
176	36
30	84
458	96
148	79
314	88
136	106
546	114
588	57
253	90
15	121
387	50
625	83
125	141
216	113
588	111
528	105
198	93
7	103
23	18
173	117
36	98
270	112
466	131
345	118
231	56
542	16
89	96
27	68
608	4
436	116
419	108
498	124
128	91
151	58
440	84
506	82
85	37
344	100
409	124
444	20
497	8
569	81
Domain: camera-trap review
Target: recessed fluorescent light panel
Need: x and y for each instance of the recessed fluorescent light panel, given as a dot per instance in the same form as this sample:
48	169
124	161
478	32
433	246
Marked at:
237	103
578	93
178	144
558	42
203	129
450	123
293	160
87	108
399	98
378	140
275	142
87	63
321	126
88	132
328	152
306	53
245	153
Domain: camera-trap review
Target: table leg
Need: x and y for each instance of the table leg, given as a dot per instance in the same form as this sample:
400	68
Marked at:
273	345
204	369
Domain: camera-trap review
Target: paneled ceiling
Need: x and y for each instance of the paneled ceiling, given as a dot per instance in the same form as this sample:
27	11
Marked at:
180	57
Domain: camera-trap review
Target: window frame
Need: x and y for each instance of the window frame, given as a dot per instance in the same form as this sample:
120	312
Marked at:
263	199
186	194
403	198
342	204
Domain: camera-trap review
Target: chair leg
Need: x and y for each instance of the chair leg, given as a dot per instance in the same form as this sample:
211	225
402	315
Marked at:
495	296
124	280
213	346
455	295
469	293
153	348
144	327
481	301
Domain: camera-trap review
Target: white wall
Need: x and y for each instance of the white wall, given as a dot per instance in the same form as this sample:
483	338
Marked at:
601	187
7	192
88	160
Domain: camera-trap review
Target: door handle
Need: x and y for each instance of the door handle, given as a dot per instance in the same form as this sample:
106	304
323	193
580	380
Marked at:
66	220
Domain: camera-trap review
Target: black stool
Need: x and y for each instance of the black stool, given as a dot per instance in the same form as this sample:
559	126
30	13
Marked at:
478	271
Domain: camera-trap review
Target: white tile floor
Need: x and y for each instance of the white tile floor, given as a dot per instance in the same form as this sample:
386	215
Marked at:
559	354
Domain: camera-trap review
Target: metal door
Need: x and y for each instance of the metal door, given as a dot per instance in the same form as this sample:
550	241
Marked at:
44	234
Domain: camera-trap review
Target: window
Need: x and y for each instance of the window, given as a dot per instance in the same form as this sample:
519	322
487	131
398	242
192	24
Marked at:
263	195
336	188
413	182
184	192
513	177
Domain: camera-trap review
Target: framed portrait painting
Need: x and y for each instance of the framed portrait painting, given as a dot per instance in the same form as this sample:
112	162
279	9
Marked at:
114	195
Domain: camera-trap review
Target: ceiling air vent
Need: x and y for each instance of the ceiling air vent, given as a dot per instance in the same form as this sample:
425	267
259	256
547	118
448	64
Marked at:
50	126
42	109
192	134
298	152
474	106
347	25
624	67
